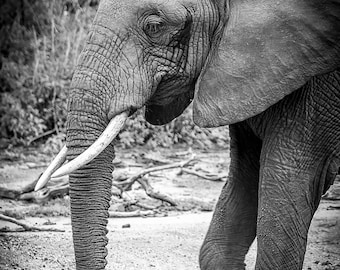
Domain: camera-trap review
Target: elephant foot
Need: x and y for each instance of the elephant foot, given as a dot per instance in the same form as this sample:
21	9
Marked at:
214	258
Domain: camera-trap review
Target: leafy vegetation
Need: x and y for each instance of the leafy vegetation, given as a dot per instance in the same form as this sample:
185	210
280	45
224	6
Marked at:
180	131
40	44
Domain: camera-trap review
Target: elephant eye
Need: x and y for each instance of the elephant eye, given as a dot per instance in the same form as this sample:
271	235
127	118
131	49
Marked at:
154	26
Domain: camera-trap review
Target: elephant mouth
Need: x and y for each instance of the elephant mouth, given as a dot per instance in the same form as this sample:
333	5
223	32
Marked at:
169	101
168	88
162	114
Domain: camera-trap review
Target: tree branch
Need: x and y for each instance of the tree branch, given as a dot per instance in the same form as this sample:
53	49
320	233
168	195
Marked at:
49	132
137	213
43	195
204	176
27	227
126	184
153	194
14	194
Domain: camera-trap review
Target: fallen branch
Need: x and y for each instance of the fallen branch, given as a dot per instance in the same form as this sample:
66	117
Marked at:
14	194
143	205
180	154
153	194
27	227
137	203
201	175
126	184
333	207
46	194
137	213
155	158
9	193
41	136
29	187
27	192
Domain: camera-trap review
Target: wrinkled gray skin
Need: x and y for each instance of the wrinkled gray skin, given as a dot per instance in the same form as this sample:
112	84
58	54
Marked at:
268	69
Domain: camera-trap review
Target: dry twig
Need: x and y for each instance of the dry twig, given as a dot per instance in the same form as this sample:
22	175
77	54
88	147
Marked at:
143	205
41	136
43	195
14	194
137	213
126	184
153	194
204	176
27	227
9	193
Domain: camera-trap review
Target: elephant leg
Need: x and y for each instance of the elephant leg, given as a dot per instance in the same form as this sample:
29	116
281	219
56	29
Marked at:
233	227
289	194
299	161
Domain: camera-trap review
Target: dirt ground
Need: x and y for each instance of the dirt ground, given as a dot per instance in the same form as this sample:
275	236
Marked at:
170	240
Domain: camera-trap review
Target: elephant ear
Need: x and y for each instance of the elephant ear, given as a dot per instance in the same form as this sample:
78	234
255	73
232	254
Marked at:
267	50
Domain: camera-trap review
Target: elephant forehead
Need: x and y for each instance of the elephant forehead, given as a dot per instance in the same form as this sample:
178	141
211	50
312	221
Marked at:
118	11
123	13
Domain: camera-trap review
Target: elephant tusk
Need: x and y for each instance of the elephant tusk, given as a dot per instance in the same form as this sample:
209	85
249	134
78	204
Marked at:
55	164
110	132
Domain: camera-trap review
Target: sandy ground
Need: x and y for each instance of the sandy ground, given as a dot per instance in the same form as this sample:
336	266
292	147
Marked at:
163	243
167	243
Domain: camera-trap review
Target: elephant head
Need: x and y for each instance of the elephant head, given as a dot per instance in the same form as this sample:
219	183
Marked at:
233	59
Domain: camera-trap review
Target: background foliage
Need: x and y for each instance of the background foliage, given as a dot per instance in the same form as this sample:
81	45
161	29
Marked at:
39	46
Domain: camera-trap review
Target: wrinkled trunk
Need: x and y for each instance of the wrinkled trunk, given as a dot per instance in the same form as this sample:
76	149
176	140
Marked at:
90	193
90	186
90	196
99	92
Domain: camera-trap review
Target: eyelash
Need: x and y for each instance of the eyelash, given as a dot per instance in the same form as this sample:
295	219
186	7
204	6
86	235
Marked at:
153	25
152	29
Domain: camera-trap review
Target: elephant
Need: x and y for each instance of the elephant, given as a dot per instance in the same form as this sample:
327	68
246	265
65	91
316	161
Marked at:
270	70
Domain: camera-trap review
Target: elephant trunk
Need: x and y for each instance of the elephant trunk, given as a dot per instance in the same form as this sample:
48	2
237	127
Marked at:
90	186
98	94
90	193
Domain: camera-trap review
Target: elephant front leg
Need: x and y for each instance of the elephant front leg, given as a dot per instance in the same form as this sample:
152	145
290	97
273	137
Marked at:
290	189
233	227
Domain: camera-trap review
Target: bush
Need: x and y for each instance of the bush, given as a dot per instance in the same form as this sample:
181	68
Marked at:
182	130
42	42
41	46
